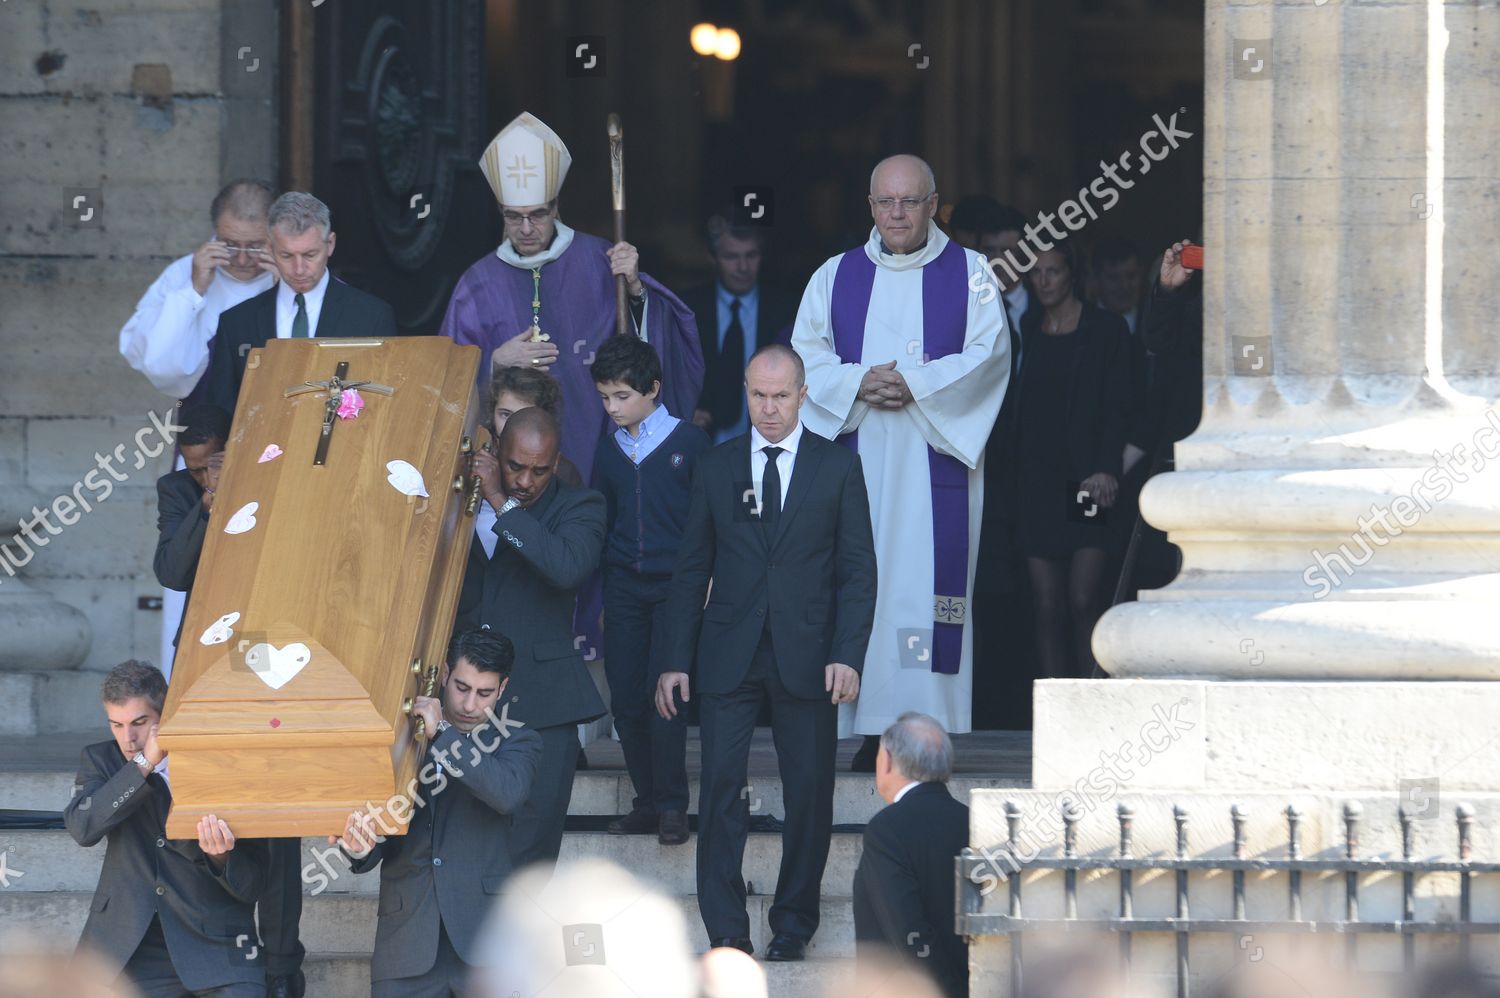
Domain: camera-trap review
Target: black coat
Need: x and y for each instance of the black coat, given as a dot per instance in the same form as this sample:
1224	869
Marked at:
455	855
207	914
346	312
904	884
1100	392
527	592
814	584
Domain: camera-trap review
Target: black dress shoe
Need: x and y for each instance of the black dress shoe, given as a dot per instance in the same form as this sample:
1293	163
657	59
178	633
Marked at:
864	758
786	947
732	942
292	985
673	830
637	822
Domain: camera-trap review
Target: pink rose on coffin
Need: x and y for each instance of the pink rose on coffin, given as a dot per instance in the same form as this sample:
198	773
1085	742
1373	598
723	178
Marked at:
349	404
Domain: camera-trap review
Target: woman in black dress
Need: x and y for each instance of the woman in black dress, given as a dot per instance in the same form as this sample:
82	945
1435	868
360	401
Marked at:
1074	386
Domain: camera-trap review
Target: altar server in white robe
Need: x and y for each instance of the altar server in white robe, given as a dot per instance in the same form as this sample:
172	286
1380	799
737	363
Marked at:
908	360
167	337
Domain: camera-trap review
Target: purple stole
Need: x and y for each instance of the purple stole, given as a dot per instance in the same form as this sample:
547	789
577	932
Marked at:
945	296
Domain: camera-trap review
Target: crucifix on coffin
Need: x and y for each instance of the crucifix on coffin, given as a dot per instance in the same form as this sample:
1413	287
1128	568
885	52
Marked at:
335	386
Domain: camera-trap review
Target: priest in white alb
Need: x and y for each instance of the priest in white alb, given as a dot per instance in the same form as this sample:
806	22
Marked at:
908	360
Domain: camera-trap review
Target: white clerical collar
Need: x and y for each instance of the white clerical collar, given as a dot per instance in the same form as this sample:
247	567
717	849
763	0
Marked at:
560	243
905	790
937	241
788	443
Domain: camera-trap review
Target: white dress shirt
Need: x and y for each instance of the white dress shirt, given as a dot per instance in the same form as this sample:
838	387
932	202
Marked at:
904	790
785	461
286	307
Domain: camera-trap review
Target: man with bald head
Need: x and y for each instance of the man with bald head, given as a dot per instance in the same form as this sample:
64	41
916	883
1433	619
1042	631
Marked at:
549	536
908	360
779	522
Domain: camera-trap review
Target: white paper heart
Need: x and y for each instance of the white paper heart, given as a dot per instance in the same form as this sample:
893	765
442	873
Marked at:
406	478
271	453
243	519
220	630
277	666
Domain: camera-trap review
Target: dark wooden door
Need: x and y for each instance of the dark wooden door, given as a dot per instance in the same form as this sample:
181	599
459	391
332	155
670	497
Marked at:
399	112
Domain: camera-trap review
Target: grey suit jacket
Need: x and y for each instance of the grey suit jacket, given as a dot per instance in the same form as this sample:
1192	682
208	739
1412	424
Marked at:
207	914
527	592
456	851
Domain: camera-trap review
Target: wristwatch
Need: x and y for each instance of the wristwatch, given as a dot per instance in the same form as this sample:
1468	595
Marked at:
442	726
507	506
144	763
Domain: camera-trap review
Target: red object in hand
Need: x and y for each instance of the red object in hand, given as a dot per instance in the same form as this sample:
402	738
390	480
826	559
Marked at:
1192	257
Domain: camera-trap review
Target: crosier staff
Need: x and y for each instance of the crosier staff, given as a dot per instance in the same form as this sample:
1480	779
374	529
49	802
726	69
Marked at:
617	193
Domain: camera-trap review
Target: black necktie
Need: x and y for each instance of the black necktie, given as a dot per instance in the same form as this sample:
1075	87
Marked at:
731	369
770	491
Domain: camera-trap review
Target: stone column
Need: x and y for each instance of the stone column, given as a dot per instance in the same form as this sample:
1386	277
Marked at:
1331	636
1338	508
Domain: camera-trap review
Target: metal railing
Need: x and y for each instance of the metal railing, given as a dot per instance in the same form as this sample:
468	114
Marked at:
972	920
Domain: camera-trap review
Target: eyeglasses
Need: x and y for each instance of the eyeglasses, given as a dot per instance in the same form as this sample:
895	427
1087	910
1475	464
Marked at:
249	249
886	205
534	217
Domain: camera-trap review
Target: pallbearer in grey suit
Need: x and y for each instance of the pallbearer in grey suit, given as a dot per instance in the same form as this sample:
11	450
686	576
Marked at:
176	916
438	880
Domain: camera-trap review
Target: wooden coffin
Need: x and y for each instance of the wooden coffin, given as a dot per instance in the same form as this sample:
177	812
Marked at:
321	609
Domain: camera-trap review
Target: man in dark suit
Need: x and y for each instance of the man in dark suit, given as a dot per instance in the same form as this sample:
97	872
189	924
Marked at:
523	580
737	315
780	522
185	497
903	886
439	879
175	915
306	302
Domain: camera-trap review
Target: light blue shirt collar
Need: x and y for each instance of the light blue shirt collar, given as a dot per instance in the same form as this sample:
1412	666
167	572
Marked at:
654	429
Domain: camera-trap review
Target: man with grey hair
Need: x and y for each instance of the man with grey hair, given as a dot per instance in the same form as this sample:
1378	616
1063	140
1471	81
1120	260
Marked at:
903	886
307	302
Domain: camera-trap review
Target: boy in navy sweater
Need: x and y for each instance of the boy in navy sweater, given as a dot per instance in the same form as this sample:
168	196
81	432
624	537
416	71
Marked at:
644	468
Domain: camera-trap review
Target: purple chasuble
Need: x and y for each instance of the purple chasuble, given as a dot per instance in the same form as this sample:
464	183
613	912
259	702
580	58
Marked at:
492	304
944	325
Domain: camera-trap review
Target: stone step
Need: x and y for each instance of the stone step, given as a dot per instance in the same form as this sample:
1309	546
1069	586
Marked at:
595	792
339	975
52	861
344	924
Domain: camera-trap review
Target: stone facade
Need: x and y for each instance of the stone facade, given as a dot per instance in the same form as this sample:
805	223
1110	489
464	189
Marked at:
125	108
